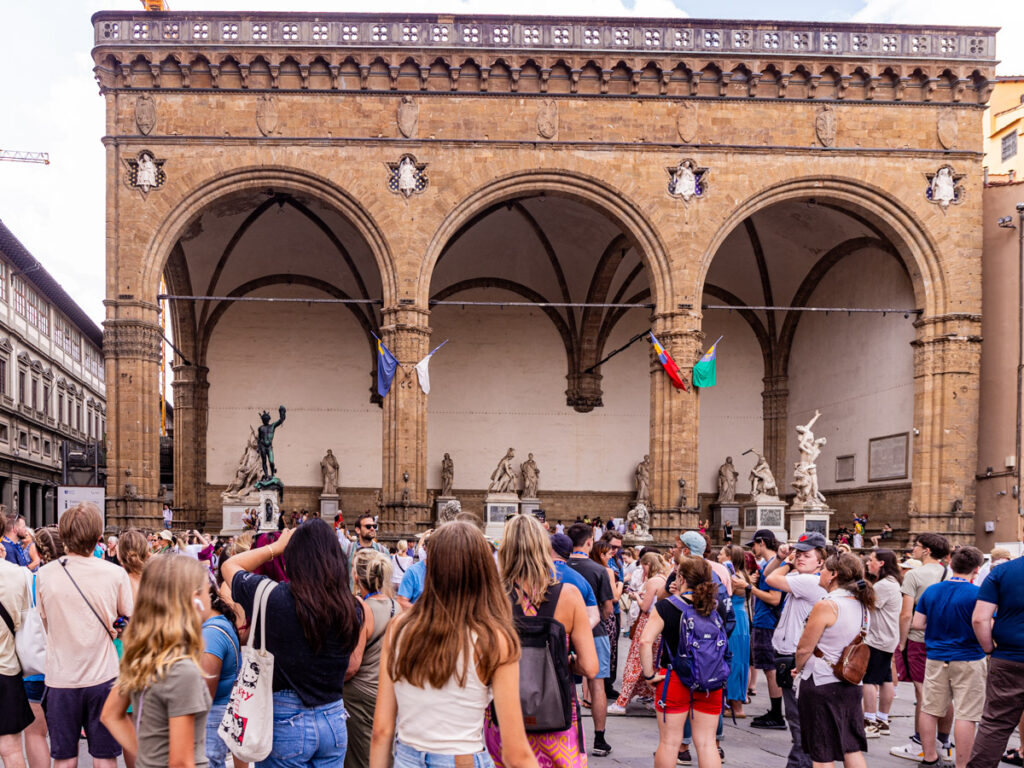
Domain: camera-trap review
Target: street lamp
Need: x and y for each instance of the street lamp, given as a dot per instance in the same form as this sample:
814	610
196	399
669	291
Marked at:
1006	222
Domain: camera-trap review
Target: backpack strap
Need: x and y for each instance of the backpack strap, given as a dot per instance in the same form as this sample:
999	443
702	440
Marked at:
547	608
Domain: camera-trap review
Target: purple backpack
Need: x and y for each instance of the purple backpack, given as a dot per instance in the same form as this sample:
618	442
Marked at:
701	661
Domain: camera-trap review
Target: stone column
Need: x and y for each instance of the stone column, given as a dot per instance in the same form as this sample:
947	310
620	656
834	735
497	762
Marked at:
944	443
406	510
674	426
7	493
131	346
38	515
191	416
775	404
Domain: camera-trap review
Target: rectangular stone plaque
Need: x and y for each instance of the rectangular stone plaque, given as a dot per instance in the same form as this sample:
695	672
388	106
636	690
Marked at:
750	519
816	526
771	517
497	514
846	468
887	457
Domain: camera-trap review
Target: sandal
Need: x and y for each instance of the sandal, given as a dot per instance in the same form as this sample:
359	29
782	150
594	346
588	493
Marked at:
1013	757
586	703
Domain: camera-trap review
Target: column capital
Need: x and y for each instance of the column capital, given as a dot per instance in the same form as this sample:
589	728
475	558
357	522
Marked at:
132	339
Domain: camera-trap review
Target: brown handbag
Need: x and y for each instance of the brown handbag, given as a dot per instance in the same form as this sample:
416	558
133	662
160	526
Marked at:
853	660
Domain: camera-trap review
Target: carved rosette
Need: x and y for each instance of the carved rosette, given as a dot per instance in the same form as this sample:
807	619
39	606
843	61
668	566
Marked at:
687	181
145	114
825	124
687	121
945	187
947	128
408	115
547	119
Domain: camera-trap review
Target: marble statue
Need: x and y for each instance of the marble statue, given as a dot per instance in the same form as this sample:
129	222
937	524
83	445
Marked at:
684	182
146	174
265	442
448	512
447	475
407	176
530	477
503	478
762	481
727	477
805	476
248	471
643	481
638	521
329	469
943	186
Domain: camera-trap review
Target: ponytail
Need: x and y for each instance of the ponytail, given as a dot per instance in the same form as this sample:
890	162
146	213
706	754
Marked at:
696	573
849	571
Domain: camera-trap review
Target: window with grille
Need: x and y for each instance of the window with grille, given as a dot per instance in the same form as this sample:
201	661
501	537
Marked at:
1009	145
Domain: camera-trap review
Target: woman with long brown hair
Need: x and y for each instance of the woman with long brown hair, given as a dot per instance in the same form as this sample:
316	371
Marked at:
528	575
700	592
831	717
443	658
132	552
316	631
655	571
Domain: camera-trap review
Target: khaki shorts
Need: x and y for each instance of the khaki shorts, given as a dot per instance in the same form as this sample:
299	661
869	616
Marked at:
961	683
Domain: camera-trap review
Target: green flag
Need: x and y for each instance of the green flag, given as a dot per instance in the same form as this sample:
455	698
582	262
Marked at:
704	370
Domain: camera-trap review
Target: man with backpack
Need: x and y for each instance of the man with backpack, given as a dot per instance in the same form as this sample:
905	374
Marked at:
796	576
767	610
582	537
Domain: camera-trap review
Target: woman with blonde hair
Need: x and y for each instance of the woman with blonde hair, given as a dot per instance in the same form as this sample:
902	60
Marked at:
49	547
161	675
655	571
528	575
132	552
444	660
374	585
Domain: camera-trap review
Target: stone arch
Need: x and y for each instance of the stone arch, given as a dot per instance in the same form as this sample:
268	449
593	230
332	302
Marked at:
590	191
281	179
890	217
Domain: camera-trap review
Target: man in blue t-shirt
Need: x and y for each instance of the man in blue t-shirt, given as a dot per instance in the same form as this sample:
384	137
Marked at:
561	548
955	662
767	610
999	626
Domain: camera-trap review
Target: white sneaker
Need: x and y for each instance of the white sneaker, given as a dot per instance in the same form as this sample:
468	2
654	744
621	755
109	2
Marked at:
910	751
946	752
615	709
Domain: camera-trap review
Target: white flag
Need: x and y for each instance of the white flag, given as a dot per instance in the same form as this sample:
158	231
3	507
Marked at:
423	371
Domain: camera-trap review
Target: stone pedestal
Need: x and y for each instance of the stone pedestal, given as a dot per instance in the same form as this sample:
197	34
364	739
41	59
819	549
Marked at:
497	508
330	505
726	513
763	513
529	506
265	502
809	517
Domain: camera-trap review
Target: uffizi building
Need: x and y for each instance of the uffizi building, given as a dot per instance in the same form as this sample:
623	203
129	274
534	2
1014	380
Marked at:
538	192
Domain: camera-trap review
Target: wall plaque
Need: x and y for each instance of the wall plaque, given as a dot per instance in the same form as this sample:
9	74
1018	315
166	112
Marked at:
846	468
888	457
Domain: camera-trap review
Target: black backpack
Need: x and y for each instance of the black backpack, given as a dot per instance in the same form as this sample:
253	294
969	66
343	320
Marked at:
546	688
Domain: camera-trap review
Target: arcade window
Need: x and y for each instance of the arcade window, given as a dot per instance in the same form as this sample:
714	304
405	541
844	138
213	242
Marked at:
1009	145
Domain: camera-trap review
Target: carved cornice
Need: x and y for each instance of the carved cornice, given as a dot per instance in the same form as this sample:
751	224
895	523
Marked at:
667	57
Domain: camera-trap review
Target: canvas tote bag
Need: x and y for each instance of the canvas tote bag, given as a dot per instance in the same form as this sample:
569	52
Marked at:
30	642
248	723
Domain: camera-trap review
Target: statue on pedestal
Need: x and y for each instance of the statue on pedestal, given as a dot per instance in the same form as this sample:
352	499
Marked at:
503	478
531	476
329	469
805	475
638	522
447	475
727	477
762	481
266	442
248	471
449	511
643	481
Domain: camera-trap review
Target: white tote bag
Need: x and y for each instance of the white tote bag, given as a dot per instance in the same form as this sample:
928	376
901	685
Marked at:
248	723
30	642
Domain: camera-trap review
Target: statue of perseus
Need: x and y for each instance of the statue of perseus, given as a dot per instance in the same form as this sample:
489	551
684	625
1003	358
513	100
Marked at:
266	442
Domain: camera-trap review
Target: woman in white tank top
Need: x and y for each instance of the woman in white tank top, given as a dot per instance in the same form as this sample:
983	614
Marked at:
443	660
831	715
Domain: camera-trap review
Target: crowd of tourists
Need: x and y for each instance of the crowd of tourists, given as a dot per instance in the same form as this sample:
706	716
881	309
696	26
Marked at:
315	646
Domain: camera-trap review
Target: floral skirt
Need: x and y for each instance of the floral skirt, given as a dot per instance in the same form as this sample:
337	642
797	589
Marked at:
633	683
560	749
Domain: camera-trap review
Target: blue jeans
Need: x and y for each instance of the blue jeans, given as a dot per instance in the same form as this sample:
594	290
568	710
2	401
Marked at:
216	749
407	757
307	736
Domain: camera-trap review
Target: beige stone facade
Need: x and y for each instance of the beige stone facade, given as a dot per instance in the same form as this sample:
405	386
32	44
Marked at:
818	146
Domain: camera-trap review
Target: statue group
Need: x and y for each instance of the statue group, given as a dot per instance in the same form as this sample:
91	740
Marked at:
504	478
805	473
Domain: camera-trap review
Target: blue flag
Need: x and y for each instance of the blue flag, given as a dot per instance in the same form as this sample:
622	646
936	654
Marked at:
387	364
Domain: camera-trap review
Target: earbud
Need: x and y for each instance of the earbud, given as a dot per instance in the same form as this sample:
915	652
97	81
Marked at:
198	604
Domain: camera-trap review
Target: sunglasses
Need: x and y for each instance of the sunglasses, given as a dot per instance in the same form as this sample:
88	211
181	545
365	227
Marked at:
372	525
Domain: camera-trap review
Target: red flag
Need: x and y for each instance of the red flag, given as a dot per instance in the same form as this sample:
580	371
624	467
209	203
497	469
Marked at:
669	365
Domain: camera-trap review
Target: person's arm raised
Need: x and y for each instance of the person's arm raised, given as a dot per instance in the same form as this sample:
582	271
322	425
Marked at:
254	558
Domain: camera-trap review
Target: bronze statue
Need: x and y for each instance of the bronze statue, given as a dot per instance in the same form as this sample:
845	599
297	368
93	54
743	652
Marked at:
265	442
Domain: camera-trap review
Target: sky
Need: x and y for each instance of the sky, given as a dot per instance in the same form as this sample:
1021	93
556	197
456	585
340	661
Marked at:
51	102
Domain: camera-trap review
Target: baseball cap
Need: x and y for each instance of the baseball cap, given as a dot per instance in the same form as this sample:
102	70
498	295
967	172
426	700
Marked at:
810	540
561	544
695	542
764	535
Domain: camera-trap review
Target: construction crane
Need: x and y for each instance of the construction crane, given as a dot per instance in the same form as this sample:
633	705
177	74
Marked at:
25	157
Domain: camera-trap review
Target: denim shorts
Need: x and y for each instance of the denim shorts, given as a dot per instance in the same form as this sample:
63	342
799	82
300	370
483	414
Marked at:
316	737
216	749
604	657
408	757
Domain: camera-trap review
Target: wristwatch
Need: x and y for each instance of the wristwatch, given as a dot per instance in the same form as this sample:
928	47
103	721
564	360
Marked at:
651	676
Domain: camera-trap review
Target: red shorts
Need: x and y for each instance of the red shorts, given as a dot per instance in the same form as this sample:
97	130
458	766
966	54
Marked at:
916	660
677	699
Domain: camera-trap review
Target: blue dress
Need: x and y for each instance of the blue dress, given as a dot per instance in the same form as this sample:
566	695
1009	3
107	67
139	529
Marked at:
739	645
